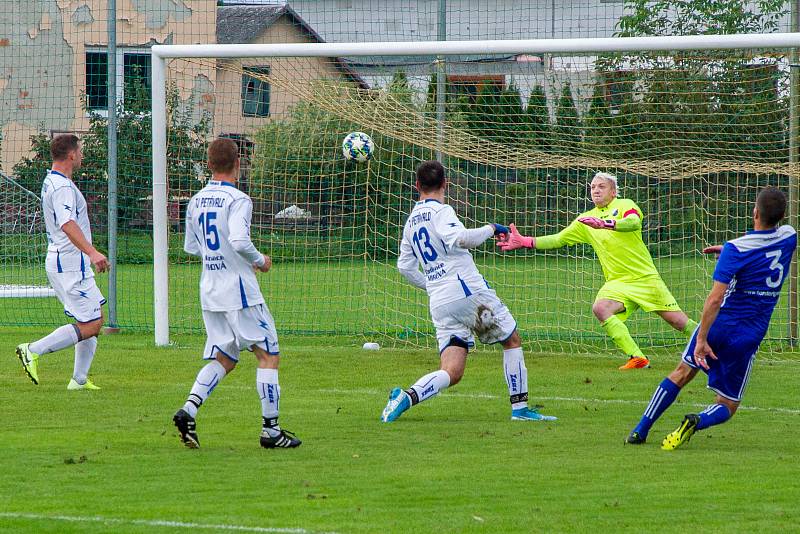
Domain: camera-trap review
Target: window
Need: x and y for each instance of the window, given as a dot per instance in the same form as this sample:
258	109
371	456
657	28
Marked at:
96	80
470	85
136	80
255	93
132	79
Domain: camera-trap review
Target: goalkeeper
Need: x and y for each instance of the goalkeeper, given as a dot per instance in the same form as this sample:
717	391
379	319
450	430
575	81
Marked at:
614	229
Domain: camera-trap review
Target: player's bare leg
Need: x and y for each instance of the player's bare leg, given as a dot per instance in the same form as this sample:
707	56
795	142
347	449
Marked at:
269	391
606	312
517	381
679	321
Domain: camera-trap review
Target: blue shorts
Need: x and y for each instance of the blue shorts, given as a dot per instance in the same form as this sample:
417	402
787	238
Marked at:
728	374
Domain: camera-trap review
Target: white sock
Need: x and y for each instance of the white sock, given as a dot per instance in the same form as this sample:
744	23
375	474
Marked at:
428	386
269	391
60	338
516	377
84	354
207	379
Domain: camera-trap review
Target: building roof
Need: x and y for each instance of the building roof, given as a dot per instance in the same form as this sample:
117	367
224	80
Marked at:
243	23
240	24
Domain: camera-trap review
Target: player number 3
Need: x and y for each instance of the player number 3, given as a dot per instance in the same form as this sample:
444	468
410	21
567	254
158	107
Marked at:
775	265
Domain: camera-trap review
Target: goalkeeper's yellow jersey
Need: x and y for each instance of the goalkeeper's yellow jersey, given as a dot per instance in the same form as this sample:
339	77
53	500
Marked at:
622	253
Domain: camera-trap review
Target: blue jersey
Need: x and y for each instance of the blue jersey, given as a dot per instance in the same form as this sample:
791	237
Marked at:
754	266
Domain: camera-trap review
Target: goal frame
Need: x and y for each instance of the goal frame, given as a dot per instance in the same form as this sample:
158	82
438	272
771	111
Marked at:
161	53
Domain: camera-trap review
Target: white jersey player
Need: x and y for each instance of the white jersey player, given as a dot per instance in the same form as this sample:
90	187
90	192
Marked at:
218	232
461	302
70	257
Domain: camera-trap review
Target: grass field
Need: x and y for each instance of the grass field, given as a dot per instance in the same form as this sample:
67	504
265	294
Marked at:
110	460
549	295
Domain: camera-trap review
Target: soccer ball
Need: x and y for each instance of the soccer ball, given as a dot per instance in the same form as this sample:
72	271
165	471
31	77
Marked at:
357	146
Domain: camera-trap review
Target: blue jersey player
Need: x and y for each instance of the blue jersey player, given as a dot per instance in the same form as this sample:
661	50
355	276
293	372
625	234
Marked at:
747	283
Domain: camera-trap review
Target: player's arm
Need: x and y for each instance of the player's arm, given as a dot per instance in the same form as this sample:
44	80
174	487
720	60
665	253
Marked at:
711	308
64	205
239	217
408	265
454	234
630	222
728	265
572	234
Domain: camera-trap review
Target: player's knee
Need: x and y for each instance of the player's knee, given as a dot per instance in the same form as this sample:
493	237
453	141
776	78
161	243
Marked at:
513	342
601	311
90	329
455	375
682	375
730	404
227	364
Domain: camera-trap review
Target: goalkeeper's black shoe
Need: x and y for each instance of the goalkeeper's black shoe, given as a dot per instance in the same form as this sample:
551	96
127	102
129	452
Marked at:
186	425
634	438
284	440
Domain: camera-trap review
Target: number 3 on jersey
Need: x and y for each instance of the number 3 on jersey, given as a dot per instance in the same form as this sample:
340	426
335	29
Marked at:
206	222
775	266
422	239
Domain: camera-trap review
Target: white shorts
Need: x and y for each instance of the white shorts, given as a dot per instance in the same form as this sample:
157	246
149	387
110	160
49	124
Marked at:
231	331
80	296
481	313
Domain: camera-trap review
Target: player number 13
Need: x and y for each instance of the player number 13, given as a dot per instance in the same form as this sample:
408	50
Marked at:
775	265
423	241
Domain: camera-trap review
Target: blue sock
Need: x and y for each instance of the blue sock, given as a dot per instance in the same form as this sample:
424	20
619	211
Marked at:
716	414
665	395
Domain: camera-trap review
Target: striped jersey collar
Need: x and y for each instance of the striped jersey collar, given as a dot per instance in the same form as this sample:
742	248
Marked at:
428	200
51	171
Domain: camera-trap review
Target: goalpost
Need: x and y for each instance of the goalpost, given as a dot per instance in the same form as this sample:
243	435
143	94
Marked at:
691	129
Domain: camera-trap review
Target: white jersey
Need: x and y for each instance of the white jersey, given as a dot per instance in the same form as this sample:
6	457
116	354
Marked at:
63	202
218	231
429	241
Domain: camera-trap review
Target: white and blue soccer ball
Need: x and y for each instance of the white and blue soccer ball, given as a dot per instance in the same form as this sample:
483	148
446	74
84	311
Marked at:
358	146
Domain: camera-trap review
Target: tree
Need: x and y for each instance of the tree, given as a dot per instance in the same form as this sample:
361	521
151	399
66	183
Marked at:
699	103
186	145
568	127
537	120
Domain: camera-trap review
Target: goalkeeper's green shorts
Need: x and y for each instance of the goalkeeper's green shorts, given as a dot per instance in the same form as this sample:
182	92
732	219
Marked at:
650	294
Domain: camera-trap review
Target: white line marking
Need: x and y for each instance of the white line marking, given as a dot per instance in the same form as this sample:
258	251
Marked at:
152	523
534	398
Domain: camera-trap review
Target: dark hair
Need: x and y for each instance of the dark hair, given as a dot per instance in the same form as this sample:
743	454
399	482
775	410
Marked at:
430	176
222	155
771	204
62	145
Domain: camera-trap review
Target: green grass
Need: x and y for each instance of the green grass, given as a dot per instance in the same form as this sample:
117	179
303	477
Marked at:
549	295
454	464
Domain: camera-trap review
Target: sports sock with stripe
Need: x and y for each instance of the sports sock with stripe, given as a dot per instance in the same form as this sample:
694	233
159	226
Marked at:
665	394
269	391
516	377
716	414
428	386
207	379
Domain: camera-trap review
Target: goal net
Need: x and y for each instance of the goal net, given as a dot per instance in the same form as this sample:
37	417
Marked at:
692	135
22	238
